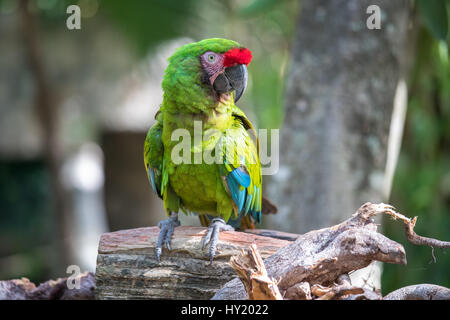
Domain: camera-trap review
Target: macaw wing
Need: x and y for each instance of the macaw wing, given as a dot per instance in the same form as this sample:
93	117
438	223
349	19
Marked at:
153	157
241	168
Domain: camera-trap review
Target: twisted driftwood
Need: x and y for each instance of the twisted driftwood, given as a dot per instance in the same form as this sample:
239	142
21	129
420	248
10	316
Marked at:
420	292
317	264
251	270
24	289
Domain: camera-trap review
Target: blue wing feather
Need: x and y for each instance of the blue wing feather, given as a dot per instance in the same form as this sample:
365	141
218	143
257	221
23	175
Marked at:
256	212
237	194
238	181
242	177
241	198
152	180
232	185
248	202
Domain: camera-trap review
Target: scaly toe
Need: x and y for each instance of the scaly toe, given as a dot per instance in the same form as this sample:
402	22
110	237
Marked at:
165	234
212	236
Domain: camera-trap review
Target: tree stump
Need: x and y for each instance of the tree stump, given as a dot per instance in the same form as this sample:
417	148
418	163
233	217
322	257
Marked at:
127	267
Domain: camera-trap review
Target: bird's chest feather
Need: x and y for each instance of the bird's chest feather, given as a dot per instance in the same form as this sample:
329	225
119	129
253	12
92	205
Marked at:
197	185
190	160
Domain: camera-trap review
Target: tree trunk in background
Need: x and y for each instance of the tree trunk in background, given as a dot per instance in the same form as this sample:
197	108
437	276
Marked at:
47	110
338	107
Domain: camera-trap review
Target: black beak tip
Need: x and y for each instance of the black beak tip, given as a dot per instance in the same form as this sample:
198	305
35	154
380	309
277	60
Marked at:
234	78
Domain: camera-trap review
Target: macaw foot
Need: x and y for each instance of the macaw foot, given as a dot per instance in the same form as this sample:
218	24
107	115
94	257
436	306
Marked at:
165	234
212	236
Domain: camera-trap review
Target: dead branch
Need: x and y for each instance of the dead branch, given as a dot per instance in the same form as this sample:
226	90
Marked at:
299	291
420	292
422	241
413	237
250	268
366	295
321	256
23	289
341	289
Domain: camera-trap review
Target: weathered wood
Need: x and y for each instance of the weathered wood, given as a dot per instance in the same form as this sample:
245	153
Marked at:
314	266
127	267
252	272
342	288
273	234
322	256
24	289
420	292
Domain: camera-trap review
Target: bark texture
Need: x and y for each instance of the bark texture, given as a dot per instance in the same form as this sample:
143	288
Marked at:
127	267
420	292
24	289
321	257
252	272
316	265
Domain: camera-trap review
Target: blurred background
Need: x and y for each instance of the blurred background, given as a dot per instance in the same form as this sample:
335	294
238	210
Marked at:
364	115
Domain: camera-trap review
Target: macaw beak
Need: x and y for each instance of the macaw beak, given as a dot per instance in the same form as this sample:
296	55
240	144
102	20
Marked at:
232	79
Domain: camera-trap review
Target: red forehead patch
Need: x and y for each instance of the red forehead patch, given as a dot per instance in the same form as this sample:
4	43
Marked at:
237	56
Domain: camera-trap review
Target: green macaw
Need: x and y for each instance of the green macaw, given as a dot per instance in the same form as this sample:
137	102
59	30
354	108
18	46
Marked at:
201	85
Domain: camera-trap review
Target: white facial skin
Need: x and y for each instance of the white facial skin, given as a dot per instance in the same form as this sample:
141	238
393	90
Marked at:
213	64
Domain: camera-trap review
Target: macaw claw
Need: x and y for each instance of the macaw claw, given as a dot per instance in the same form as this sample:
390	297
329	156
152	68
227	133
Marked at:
165	234
212	236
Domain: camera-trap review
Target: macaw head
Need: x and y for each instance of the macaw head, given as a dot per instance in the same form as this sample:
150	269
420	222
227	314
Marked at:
202	74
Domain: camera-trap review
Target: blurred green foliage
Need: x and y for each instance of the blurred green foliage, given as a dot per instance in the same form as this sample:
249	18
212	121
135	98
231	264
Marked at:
26	219
421	184
147	23
434	16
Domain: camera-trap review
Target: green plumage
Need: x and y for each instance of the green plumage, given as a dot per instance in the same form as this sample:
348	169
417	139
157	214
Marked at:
202	188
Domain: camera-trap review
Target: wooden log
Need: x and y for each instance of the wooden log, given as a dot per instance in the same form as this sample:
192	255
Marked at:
252	272
127	267
322	256
314	266
420	292
24	289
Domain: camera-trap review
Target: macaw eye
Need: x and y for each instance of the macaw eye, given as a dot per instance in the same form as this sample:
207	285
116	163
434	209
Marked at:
211	58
